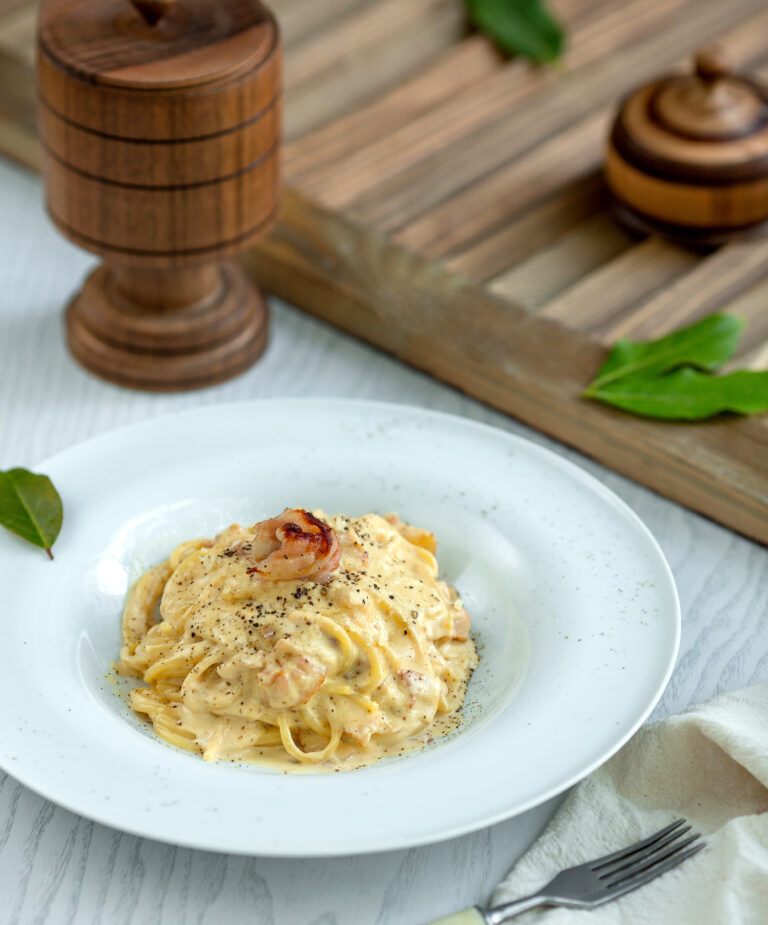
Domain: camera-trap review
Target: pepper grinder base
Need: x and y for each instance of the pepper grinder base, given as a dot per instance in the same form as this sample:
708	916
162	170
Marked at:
206	324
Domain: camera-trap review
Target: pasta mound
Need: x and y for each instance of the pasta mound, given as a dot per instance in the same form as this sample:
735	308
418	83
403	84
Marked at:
304	640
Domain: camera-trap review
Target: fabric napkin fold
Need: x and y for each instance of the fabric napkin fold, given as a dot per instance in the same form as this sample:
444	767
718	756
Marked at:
709	765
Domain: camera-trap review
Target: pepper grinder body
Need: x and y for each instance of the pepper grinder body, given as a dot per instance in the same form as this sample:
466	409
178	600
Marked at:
160	125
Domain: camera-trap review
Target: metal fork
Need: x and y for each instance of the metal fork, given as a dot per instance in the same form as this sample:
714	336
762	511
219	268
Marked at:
597	881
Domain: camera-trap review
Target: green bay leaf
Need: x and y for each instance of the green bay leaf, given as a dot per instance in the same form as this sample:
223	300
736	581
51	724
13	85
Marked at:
688	394
519	27
30	507
705	345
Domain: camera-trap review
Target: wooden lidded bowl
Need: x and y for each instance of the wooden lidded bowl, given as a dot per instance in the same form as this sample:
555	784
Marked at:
160	125
688	155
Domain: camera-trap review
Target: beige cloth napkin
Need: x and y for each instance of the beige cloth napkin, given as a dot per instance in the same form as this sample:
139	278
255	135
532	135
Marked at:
709	765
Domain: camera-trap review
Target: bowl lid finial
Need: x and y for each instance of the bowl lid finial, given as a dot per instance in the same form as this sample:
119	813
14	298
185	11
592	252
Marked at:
711	104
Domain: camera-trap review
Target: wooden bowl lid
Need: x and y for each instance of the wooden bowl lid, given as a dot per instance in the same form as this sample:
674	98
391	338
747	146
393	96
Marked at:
156	44
710	125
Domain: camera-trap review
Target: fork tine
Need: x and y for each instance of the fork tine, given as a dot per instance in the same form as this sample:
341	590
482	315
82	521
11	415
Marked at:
656	870
638	846
631	860
650	863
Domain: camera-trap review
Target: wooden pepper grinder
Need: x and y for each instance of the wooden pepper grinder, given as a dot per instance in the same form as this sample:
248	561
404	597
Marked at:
160	125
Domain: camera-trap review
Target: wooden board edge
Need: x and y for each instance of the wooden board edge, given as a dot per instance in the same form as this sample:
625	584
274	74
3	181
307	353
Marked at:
528	367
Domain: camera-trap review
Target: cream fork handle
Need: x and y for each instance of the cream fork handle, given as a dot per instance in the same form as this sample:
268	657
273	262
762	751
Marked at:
476	916
471	916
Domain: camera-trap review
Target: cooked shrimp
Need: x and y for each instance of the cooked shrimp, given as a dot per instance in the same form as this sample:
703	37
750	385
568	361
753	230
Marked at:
294	545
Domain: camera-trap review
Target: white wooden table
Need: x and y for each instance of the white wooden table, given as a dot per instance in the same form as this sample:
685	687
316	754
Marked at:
58	868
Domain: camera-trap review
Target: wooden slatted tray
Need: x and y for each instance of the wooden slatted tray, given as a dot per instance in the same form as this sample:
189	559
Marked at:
447	205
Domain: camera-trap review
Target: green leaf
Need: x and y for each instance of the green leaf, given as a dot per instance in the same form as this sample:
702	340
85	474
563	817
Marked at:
30	507
519	27
688	394
705	345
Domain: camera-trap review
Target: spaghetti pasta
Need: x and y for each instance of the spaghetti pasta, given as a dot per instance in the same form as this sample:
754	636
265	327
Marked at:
303	641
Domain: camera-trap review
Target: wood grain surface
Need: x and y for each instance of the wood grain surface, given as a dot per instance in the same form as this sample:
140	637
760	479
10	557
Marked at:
59	869
449	168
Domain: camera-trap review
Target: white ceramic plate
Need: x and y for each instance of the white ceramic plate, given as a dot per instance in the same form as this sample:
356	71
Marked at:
542	554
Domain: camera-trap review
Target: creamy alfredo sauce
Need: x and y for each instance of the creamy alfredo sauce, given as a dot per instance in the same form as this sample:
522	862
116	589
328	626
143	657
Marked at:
296	673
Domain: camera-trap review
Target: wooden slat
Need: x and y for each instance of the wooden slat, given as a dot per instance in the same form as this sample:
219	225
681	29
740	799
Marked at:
8	6
432	149
556	164
18	116
356	178
386	192
542	277
757	359
301	18
440	127
535	229
381	43
17	31
454	71
516	362
712	283
332	49
338	185
457	68
596	298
